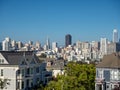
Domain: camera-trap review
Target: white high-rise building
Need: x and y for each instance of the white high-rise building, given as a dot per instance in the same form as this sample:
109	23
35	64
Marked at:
115	35
54	45
6	44
103	46
48	44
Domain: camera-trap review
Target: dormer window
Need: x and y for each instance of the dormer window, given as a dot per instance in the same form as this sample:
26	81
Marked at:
23	62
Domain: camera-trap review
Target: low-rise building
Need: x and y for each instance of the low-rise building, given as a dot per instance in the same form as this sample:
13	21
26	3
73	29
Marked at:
56	66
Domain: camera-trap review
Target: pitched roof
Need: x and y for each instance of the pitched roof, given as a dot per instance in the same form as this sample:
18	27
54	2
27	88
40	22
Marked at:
110	61
57	65
14	57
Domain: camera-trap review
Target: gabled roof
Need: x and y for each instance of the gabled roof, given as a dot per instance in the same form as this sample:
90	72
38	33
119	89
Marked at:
15	57
110	61
57	65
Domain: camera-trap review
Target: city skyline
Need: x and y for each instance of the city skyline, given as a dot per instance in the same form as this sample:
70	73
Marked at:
49	43
84	20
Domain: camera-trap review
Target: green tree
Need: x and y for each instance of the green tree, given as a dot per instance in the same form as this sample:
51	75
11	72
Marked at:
77	77
3	83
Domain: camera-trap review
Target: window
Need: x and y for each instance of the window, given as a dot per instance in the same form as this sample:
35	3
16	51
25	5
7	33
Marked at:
37	69
22	84
1	72
27	83
1	60
22	72
18	72
18	85
31	72
31	82
107	75
114	75
28	71
99	73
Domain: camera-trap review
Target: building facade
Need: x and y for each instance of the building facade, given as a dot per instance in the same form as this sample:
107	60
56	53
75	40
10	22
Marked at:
108	73
103	46
113	47
20	70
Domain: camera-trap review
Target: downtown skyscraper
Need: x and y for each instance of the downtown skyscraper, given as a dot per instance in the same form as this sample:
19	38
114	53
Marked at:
103	48
115	35
68	40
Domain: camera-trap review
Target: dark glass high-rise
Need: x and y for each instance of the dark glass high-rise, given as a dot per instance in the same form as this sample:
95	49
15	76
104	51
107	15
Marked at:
68	40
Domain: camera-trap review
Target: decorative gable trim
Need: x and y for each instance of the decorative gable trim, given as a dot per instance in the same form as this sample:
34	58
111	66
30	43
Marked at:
23	61
3	59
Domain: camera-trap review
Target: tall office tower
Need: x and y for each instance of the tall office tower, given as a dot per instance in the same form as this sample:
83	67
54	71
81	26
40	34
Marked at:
54	45
68	40
48	44
115	35
6	44
103	46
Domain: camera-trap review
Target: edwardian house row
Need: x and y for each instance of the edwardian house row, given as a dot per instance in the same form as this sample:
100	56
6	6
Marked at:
20	70
108	73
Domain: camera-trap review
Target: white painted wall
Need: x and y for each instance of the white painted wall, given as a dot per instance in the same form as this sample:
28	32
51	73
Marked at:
9	73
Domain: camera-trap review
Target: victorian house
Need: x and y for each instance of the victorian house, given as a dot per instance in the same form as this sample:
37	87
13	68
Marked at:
108	73
20	70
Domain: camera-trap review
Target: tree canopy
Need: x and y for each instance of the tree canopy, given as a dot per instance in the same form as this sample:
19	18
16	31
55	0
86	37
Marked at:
77	77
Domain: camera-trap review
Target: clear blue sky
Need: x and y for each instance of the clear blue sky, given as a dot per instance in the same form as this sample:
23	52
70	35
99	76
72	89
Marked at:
85	20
